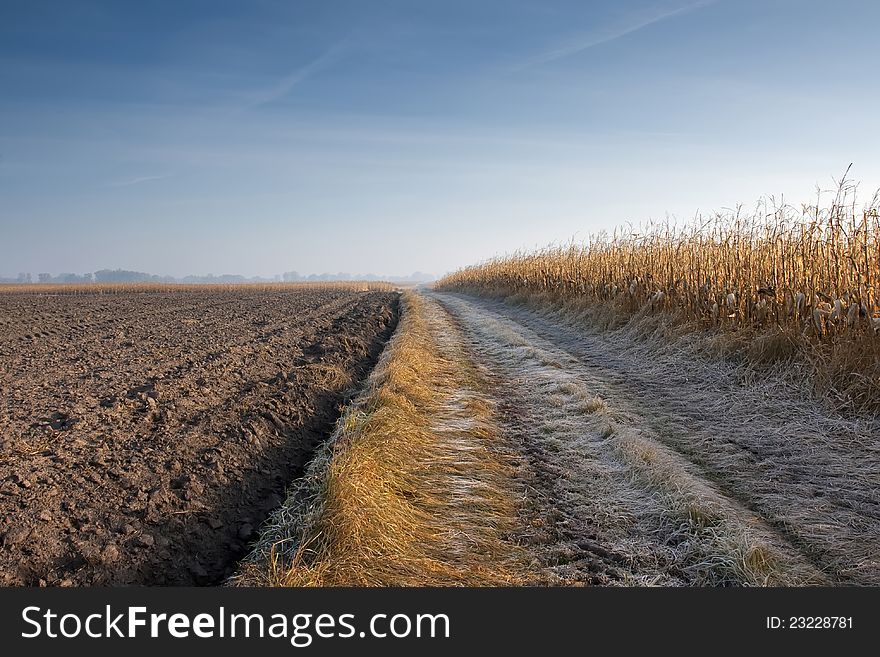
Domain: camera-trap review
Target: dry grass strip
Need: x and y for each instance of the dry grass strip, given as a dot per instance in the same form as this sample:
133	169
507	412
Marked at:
414	489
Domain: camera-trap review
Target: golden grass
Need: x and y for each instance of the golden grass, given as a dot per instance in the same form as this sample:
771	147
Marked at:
784	282
415	489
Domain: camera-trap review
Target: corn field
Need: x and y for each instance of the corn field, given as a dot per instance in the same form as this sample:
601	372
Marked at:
814	269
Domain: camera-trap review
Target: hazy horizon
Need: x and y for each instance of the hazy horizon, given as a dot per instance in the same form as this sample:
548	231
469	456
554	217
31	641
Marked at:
288	276
182	138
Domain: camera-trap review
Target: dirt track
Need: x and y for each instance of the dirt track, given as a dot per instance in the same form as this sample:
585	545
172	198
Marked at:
145	436
649	465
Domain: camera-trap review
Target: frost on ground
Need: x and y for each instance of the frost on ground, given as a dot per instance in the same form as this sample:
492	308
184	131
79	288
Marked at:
646	464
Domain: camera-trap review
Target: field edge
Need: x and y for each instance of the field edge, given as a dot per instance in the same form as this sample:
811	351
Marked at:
381	504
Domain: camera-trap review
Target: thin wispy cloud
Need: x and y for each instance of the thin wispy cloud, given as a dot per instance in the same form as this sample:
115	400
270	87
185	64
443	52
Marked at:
128	182
601	37
287	84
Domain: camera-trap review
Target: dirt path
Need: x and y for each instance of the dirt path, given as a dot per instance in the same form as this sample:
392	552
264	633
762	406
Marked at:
651	467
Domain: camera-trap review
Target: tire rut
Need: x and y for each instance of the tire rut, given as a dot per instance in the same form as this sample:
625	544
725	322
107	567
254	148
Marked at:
618	502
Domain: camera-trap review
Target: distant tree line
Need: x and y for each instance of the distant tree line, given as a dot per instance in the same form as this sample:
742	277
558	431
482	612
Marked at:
128	276
416	277
65	278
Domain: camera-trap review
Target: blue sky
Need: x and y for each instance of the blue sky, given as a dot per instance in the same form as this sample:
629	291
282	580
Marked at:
264	136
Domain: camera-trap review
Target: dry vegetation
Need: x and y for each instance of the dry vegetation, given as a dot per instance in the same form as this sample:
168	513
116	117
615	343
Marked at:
779	283
413	489
433	478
